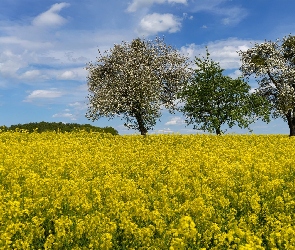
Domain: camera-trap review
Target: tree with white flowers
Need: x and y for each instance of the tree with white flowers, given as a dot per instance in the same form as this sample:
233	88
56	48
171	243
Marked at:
273	65
133	80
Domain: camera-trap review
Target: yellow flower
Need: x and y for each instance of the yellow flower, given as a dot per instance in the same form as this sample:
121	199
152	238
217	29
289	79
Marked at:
91	191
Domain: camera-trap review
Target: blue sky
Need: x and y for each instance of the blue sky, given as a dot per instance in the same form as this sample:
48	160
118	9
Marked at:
45	45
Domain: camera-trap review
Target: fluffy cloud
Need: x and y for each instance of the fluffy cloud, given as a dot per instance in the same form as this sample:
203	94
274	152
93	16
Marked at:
138	4
31	74
10	63
68	75
222	51
175	121
154	23
51	16
65	115
43	94
30	51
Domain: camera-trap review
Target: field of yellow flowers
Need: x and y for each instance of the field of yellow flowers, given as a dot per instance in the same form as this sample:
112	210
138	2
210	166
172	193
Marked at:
97	191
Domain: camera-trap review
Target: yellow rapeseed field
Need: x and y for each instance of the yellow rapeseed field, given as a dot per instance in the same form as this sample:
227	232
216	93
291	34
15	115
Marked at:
97	191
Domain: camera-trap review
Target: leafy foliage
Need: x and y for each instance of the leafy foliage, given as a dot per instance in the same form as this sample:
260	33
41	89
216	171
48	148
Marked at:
58	126
212	99
133	80
273	65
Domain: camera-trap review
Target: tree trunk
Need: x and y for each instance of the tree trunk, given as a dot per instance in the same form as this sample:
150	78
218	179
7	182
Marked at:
218	132
291	122
140	123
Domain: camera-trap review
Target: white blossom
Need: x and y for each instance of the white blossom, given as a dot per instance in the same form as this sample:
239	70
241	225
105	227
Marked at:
135	79
273	65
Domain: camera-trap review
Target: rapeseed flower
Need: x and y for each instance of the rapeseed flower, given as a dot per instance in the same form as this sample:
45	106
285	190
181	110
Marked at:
97	191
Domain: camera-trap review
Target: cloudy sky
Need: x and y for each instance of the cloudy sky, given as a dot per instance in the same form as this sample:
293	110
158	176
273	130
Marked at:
45	45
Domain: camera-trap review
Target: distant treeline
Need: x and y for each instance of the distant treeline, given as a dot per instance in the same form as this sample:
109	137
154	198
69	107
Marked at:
59	126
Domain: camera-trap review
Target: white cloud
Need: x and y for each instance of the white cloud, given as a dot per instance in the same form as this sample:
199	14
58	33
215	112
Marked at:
31	74
208	5
13	40
78	105
233	15
186	16
222	51
65	115
68	75
43	94
70	55
75	74
230	16
154	23
41	75
138	4
73	112
51	16
24	47
10	63
237	73
175	121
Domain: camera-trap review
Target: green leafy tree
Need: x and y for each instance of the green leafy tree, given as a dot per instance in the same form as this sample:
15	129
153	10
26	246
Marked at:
59	126
133	80
212	99
273	65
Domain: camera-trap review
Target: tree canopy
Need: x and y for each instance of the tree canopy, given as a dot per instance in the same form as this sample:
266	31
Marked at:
134	80
40	127
212	99
273	65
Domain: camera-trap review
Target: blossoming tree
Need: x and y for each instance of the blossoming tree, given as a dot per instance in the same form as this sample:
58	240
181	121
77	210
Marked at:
273	65
134	80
